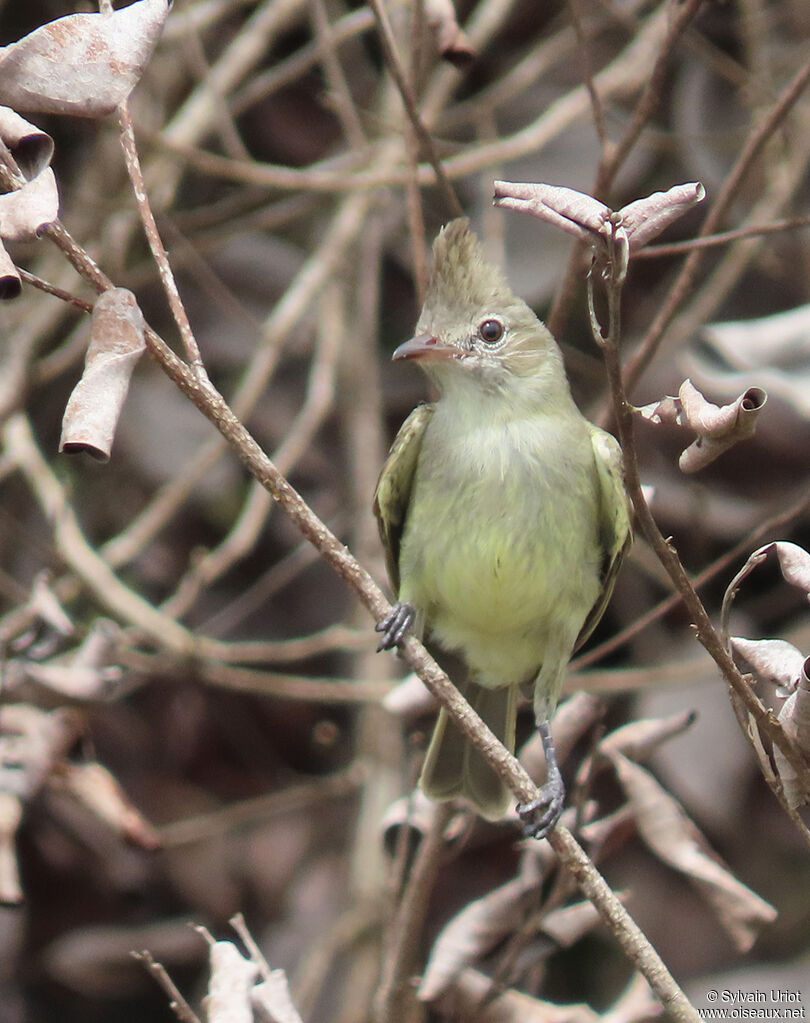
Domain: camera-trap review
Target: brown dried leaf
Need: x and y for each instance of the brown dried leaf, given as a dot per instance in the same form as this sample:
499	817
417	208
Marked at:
272	1001
116	344
10	816
635	1004
474	931
717	427
10	283
30	741
230	984
795	720
667	410
568	924
26	212
414	811
646	218
77	682
31	147
589	219
771	352
98	790
720	428
638	740
670	834
473	1000
410	698
774	660
82	64
575	212
795	564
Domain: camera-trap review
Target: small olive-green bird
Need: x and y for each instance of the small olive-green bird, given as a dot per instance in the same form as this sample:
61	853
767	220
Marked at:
503	515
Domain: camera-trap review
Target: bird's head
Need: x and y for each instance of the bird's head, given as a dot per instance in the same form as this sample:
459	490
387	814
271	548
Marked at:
473	329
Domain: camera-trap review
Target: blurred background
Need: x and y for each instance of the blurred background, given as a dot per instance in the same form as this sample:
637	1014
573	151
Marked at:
262	775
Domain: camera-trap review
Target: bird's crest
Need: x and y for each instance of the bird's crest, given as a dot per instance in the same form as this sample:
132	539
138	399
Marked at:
461	275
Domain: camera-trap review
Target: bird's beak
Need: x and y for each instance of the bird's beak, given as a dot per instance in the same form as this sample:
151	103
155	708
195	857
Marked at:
424	346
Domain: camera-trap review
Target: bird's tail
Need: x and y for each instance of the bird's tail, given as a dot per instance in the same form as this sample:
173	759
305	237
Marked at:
454	767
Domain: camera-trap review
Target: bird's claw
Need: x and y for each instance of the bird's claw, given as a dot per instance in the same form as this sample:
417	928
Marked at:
540	816
395	625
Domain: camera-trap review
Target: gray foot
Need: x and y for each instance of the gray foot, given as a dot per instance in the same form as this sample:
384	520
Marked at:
540	816
394	627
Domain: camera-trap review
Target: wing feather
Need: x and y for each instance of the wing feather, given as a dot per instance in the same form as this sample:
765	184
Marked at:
393	493
614	520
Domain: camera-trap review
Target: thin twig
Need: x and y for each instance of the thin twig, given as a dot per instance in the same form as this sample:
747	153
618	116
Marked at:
666	552
133	164
399	965
425	138
687	276
768	526
51	289
584	54
613	156
213	407
177	1003
721	238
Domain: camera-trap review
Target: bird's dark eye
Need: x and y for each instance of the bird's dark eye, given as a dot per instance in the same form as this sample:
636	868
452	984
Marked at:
491	331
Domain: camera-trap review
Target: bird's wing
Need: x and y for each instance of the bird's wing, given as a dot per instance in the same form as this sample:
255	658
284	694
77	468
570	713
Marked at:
615	532
394	486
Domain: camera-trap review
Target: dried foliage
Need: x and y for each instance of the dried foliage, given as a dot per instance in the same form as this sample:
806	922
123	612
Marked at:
193	720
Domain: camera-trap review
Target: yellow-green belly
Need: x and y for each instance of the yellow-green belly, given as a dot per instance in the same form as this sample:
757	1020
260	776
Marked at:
499	553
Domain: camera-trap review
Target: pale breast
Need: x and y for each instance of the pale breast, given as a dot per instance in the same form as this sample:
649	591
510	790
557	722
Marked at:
500	543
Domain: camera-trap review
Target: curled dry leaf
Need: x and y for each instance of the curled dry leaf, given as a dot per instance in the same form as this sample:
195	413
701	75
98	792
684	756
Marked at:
99	646
31	740
116	344
31	147
774	660
410	698
82	64
94	786
568	924
473	1000
10	283
76	681
27	211
477	929
10	817
717	427
794	562
415	811
229	987
772	352
575	212
795	719
646	218
451	40
638	740
272	1001
613	234
668	832
636	1004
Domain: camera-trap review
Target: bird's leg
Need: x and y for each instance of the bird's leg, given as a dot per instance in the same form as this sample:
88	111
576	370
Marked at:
394	627
541	815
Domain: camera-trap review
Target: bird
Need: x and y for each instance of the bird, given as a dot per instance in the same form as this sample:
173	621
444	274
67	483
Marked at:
503	516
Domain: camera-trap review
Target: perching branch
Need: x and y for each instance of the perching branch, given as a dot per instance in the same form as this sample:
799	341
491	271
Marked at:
665	551
214	407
